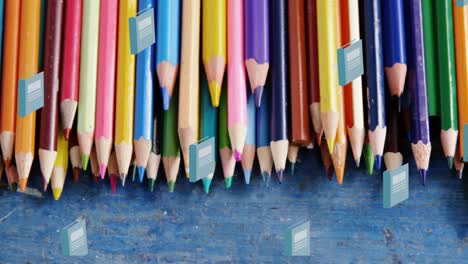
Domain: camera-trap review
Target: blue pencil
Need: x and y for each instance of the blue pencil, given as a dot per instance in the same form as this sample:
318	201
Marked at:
167	47
262	133
208	127
394	40
248	154
375	79
279	82
143	121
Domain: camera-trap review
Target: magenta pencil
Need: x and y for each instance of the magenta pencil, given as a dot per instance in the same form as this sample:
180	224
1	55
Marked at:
237	93
104	126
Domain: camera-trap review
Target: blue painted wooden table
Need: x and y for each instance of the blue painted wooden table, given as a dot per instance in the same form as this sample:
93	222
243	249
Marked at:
245	223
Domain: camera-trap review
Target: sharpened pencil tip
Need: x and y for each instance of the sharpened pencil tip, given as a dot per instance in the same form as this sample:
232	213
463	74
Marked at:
378	162
228	182
258	95
423	175
84	161
215	93
266	178
102	170
57	192
247	174
66	133
76	174
237	155
206	184
123	177
141	173
151	184
280	176
358	163
171	186
450	162
113	183
23	183
133	169
165	98
14	187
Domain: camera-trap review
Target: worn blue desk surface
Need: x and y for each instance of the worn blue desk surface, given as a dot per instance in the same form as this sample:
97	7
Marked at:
245	223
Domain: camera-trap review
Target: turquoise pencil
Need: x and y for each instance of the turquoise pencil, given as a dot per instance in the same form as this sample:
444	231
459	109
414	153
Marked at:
208	127
167	47
248	154
143	121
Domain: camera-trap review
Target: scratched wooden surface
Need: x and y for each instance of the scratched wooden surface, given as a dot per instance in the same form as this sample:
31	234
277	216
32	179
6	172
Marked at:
245	224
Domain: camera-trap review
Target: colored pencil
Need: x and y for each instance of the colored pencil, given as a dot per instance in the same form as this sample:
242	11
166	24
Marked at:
327	46
208	121
170	143
341	142
113	170
279	142
447	79
460	26
394	40
430	50
61	162
327	160
375	80
214	45
75	155
248	153
144	116
228	162
353	91
420	133
189	79
367	154
88	76
155	156
42	33
105	88
125	91
167	47
257	45
2	29
49	113
237	98
70	64
262	139
313	69
392	155
28	66
9	79
300	122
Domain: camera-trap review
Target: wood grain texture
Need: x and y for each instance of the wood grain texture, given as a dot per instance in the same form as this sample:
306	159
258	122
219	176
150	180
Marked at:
348	222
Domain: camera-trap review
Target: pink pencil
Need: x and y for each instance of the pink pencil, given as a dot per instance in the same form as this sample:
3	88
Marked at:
237	94
104	126
70	64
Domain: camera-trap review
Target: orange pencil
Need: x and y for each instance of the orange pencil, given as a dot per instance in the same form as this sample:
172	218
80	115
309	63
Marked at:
460	27
28	66
9	79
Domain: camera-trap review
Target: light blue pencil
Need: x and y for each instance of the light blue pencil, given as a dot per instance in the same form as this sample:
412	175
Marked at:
167	47
248	154
143	121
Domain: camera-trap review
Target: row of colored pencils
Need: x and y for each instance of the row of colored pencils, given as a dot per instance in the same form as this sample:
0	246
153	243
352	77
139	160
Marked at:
280	91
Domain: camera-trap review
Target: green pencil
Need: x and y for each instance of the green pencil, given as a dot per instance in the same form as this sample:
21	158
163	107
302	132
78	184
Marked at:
430	50
225	152
208	127
171	150
447	78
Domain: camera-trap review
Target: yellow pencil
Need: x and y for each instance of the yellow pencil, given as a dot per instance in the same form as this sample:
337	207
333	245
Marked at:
214	45
60	166
328	73
189	79
123	139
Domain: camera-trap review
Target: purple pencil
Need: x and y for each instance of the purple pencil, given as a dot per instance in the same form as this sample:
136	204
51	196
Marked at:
257	46
420	142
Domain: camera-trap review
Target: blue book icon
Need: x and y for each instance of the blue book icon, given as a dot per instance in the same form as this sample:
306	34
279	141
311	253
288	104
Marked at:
297	240
74	240
395	186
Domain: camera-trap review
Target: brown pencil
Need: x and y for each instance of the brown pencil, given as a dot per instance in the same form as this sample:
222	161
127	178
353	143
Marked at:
49	113
113	170
74	151
392	155
326	160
